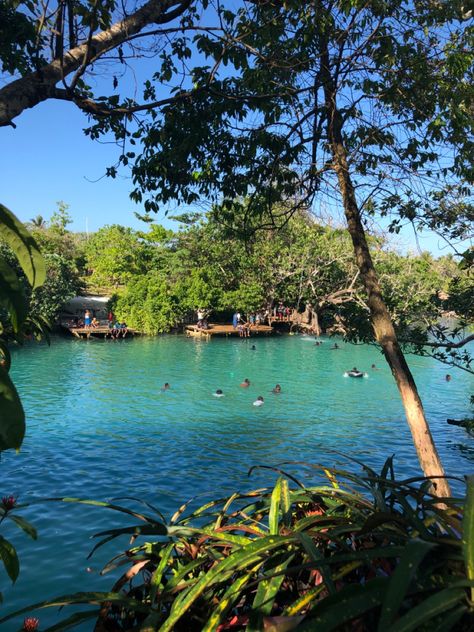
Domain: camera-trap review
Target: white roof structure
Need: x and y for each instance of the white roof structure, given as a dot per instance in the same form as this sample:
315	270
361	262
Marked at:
81	303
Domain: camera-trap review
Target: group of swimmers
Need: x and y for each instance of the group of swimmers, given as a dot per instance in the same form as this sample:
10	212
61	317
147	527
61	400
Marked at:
245	384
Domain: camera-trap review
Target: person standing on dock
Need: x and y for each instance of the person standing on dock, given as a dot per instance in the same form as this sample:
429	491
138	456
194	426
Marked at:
87	318
235	320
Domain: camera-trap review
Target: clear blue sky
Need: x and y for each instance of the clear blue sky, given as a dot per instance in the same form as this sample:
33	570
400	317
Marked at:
48	158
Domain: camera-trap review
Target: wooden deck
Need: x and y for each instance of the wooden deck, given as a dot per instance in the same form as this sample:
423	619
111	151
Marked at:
96	332
225	330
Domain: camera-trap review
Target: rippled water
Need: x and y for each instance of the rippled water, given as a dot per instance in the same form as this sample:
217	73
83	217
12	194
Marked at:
100	427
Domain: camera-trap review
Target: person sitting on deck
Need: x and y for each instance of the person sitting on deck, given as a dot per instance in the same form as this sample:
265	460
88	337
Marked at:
245	383
95	322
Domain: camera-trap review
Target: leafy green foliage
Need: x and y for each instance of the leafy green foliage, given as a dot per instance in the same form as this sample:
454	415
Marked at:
115	254
353	550
62	283
15	235
149	304
13	298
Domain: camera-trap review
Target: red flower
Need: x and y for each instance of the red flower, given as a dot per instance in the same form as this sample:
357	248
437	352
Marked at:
30	624
8	502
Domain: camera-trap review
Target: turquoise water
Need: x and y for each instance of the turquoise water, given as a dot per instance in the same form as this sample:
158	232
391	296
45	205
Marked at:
99	427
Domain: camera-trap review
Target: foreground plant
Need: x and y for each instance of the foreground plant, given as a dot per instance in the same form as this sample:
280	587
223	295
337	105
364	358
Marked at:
360	553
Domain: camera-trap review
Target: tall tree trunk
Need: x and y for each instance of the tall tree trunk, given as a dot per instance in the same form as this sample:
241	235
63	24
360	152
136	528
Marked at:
381	320
315	323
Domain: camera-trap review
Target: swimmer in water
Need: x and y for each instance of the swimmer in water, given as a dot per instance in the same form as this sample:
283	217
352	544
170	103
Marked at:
336	346
258	401
245	383
218	393
253	348
277	389
165	387
448	378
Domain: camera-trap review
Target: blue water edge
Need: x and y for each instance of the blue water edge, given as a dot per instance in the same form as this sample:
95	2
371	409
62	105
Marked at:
99	426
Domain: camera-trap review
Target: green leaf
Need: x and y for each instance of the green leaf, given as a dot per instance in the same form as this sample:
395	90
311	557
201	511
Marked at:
346	605
436	604
96	598
285	503
238	561
10	558
24	246
273	516
155	581
468	530
12	416
72	621
447	622
413	555
316	556
266	592
26	526
231	595
11	295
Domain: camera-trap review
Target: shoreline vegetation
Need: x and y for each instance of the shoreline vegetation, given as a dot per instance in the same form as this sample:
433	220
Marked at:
353	552
159	279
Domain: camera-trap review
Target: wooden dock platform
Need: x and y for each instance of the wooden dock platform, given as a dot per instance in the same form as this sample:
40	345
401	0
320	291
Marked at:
97	332
225	330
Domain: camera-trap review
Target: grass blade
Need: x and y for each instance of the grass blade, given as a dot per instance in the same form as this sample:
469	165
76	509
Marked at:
468	531
252	553
400	581
9	558
349	603
438	603
273	516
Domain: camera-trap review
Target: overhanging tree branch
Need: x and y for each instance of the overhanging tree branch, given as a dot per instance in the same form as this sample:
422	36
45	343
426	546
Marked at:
39	86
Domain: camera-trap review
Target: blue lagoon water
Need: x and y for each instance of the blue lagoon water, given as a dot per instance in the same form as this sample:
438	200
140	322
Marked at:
98	426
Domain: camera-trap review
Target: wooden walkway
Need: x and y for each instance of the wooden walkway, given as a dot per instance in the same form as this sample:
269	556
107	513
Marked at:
97	332
225	330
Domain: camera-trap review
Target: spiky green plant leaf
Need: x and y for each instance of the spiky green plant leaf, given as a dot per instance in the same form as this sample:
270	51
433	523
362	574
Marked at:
12	416
13	233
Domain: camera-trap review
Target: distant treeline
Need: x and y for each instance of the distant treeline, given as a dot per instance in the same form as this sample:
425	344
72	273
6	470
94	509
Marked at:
159	278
